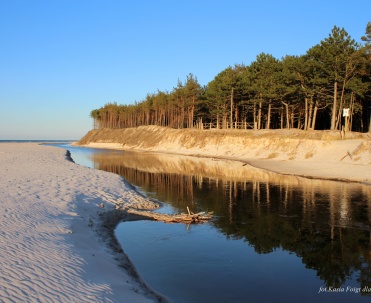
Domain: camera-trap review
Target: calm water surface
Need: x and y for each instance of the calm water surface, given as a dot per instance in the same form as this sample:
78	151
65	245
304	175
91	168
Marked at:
273	238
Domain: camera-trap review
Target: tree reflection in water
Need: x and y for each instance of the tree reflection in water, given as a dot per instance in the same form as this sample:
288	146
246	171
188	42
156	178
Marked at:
325	223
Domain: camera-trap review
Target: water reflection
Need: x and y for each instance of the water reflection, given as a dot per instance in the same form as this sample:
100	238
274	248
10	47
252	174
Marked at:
325	223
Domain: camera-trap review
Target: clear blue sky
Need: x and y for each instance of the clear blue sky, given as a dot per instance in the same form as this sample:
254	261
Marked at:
59	59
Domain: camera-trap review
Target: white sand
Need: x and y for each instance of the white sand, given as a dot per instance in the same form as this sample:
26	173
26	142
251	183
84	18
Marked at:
52	248
49	216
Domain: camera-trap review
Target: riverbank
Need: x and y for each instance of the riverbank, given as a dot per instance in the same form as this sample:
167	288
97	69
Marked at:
56	242
311	154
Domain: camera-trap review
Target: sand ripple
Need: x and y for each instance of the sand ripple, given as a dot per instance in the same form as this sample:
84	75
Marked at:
48	251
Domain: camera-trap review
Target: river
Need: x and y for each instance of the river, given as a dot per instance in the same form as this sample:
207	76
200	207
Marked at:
273	237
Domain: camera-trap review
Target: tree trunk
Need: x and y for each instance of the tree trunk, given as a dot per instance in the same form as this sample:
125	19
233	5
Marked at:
260	113
269	116
306	115
287	114
224	123
334	108
231	114
236	114
191	113
255	124
309	121
292	118
340	105
314	116
351	110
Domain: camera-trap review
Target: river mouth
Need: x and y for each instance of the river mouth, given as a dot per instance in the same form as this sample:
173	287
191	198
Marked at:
198	264
273	237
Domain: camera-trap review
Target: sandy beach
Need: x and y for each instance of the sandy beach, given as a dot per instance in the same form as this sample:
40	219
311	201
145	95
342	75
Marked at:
56	224
53	248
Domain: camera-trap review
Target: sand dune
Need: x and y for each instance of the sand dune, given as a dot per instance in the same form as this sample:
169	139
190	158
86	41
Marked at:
49	217
315	154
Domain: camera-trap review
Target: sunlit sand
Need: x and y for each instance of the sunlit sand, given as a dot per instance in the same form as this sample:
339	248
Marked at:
52	246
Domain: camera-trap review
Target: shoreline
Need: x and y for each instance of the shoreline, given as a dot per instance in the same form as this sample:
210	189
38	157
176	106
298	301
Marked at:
57	225
309	154
56	215
331	171
108	223
106	226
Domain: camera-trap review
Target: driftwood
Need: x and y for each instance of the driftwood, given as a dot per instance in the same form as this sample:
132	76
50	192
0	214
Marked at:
177	218
347	154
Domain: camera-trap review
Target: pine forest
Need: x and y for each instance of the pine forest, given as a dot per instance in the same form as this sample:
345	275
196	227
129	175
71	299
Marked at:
329	87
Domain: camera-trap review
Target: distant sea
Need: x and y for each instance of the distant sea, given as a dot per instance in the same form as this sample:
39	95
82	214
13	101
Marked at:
37	141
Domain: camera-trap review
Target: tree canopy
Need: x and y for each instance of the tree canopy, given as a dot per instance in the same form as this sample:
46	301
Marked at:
308	91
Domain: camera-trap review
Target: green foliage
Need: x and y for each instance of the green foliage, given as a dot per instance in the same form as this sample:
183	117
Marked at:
265	73
367	37
270	93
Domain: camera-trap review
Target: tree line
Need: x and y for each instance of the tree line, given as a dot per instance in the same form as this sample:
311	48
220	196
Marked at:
309	91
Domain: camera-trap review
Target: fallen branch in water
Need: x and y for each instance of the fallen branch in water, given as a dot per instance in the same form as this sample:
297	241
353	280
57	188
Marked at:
177	218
